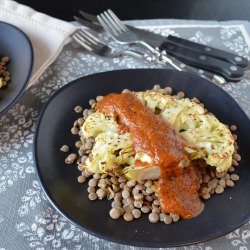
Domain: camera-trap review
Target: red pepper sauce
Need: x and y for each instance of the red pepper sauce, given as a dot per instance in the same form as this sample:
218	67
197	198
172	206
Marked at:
177	186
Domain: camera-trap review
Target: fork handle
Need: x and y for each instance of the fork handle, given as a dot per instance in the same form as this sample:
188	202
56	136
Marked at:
149	47
134	53
176	64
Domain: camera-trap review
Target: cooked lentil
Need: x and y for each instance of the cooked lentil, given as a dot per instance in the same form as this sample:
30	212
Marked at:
101	193
156	210
175	217
71	158
237	157
206	196
65	148
118	196
219	189
128	208
181	94
83	159
136	213
97	176
230	183
233	128
145	209
91	189
125	91
78	109
74	130
125	194
116	204
138	204
81	179
156	202
168	219
78	144
128	216
156	87
92	183
98	98
131	183
92	196
114	213
235	163
154	217
222	183
88	145
138	196
234	177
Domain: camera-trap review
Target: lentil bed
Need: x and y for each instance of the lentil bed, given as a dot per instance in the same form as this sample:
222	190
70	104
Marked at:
132	199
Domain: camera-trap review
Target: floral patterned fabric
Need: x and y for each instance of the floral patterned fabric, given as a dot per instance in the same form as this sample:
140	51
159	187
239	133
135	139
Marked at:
27	219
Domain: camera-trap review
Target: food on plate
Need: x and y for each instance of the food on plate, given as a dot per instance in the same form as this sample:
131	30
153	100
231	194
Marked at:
4	73
208	138
153	153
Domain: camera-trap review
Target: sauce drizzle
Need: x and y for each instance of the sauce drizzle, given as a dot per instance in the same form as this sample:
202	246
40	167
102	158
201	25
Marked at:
178	183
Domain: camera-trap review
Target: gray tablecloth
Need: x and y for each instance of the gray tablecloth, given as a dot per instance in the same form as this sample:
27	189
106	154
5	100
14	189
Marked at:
27	219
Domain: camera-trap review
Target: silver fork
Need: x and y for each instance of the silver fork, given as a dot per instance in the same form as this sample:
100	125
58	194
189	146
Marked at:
91	43
120	32
123	35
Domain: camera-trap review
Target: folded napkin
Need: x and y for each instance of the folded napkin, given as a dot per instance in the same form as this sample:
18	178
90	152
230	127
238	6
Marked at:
48	35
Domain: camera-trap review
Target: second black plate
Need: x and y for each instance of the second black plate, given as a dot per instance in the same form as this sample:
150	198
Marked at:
17	46
222	213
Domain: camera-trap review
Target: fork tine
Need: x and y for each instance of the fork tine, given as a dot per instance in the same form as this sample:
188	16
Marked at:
112	23
106	25
117	20
87	39
92	39
81	41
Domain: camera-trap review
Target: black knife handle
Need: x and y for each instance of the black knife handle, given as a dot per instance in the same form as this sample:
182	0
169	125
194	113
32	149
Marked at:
229	71
207	50
200	72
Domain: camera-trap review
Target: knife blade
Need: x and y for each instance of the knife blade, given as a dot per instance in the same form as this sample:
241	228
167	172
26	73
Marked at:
159	41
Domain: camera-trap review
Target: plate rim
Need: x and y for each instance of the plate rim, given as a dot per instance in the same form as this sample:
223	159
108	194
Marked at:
21	91
109	238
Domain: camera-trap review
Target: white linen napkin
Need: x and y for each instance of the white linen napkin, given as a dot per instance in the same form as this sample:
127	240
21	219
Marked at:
48	35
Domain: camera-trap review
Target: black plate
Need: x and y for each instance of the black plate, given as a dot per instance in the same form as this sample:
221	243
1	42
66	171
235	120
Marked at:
222	213
16	45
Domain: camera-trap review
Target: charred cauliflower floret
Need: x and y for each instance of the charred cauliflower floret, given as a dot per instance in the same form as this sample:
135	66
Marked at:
211	139
114	152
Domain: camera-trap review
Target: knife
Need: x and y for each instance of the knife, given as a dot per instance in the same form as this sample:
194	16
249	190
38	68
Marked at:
159	41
